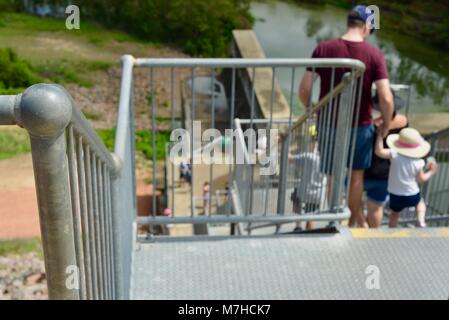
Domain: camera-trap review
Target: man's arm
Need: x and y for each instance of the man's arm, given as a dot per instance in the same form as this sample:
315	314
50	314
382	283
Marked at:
386	104
305	88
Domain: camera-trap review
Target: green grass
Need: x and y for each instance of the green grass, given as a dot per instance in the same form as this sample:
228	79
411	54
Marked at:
144	143
11	91
13	142
93	32
20	246
60	55
65	71
92	115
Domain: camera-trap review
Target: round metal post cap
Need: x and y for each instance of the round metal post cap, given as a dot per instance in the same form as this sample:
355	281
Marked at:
45	109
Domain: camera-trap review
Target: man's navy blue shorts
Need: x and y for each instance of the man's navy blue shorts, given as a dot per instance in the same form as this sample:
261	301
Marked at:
364	143
376	190
363	151
399	203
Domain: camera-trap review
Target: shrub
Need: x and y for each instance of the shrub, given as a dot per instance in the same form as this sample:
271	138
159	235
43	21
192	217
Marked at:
144	142
15	73
200	27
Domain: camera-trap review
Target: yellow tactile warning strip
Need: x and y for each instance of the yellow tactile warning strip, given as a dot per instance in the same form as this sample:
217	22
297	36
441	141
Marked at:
400	233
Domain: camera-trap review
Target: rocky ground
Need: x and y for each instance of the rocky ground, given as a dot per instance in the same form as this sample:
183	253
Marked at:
100	102
22	277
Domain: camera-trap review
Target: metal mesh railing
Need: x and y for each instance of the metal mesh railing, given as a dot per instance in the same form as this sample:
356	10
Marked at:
90	177
215	92
436	191
309	183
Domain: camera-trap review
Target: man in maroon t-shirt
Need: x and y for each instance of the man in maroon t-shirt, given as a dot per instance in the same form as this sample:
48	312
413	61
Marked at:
353	45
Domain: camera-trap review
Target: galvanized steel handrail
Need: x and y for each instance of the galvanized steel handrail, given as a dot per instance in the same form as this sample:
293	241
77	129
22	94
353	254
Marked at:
354	64
435	191
85	193
73	172
323	102
11	113
229	68
84	129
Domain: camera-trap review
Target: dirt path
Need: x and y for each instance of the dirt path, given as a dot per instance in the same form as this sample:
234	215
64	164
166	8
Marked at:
19	217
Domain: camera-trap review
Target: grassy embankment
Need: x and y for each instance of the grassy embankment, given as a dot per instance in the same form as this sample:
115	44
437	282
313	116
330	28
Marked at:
32	50
19	247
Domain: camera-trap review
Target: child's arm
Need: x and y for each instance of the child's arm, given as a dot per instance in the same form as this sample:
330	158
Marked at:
380	151
422	176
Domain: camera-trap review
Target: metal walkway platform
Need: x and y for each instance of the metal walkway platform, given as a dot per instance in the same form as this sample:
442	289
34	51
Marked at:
412	264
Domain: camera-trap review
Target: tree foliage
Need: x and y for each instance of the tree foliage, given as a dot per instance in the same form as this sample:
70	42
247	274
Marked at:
200	27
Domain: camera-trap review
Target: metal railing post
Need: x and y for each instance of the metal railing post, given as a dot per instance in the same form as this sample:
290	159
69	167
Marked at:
116	222
45	111
340	156
283	176
433	142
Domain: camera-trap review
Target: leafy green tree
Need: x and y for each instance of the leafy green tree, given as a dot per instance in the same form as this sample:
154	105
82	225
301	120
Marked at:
200	27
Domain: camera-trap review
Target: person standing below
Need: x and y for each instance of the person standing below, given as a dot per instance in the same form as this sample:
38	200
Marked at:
405	151
353	45
183	172
376	176
308	192
206	196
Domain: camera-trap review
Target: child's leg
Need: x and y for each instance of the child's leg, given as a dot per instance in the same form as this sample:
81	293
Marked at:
421	214
394	218
311	207
297	208
310	225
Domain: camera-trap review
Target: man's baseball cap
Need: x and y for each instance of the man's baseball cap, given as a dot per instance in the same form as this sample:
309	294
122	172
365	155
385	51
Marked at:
361	13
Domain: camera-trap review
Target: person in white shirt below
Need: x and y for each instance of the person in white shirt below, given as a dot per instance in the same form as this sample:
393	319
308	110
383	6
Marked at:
308	192
407	170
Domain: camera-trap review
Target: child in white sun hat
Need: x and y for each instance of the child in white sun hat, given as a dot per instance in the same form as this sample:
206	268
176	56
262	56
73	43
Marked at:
407	169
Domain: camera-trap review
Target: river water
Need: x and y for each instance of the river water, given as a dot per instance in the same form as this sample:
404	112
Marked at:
288	30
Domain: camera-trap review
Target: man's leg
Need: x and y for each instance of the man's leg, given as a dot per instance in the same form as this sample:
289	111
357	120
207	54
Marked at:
310	225
355	199
375	214
363	151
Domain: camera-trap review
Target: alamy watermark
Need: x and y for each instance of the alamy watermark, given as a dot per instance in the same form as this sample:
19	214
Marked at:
373	20
73	20
372	281
72	281
206	147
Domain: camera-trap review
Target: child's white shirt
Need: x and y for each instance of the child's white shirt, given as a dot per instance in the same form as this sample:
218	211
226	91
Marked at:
311	181
402	176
